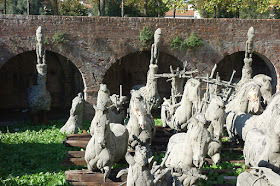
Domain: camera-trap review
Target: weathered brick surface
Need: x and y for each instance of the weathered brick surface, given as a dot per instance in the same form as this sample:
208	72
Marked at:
96	43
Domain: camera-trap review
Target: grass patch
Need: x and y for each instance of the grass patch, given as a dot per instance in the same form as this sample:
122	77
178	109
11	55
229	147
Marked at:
32	155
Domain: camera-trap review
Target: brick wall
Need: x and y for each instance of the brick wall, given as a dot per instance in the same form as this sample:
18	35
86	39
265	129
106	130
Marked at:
97	43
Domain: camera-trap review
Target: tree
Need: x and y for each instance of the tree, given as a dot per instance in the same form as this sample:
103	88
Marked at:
235	8
176	5
72	8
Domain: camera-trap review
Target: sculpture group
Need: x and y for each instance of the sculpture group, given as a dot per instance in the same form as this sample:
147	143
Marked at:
247	109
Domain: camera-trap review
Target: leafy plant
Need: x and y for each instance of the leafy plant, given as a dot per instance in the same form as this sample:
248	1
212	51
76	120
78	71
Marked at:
146	37
191	42
158	122
176	43
59	37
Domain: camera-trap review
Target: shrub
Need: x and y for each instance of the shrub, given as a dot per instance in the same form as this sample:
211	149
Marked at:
191	42
146	37
176	43
59	37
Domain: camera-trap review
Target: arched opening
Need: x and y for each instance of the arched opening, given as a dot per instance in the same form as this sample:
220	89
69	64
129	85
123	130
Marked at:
64	82
132	70
260	65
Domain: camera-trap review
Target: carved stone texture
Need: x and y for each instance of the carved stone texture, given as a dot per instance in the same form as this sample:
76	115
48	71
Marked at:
259	176
113	104
39	98
140	124
186	151
180	113
108	144
266	89
155	47
75	121
216	115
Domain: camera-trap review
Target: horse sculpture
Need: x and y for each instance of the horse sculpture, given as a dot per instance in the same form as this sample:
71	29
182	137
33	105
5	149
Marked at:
261	135
75	121
140	124
186	151
246	100
113	105
107	145
216	115
177	115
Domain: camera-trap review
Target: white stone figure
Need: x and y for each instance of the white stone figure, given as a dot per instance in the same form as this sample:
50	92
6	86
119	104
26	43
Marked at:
150	91
185	151
114	105
75	121
39	98
265	86
258	176
187	107
140	124
141	172
215	114
108	143
247	68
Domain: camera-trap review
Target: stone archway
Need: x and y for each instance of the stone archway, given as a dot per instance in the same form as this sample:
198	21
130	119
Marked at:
132	70
260	65
64	81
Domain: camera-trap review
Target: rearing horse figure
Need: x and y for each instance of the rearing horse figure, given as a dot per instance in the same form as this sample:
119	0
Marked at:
189	105
140	124
107	145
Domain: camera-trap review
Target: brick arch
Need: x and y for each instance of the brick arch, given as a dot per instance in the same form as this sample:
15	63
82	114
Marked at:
234	61
64	81
132	69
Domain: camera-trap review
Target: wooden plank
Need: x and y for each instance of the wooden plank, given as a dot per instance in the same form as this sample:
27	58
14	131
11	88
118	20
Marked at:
74	161
95	184
89	176
75	143
78	136
76	154
210	161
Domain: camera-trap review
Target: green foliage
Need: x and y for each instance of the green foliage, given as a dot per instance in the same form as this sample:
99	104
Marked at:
32	155
59	37
176	43
159	157
72	8
191	42
146	37
158	122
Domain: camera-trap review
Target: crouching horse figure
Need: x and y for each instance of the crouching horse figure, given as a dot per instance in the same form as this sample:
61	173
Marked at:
107	145
140	124
186	151
177	115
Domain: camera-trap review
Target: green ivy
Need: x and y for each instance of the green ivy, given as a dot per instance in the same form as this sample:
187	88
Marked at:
191	42
59	37
176	43
146	37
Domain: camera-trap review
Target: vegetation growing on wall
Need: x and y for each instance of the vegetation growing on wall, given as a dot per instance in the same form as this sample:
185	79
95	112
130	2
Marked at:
146	37
59	37
190	42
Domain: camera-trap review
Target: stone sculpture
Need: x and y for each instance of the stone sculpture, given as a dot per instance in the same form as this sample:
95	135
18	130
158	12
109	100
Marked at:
39	98
259	176
177	78
75	121
215	114
187	107
261	135
247	68
264	83
140	124
185	151
108	143
149	91
114	105
141	172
